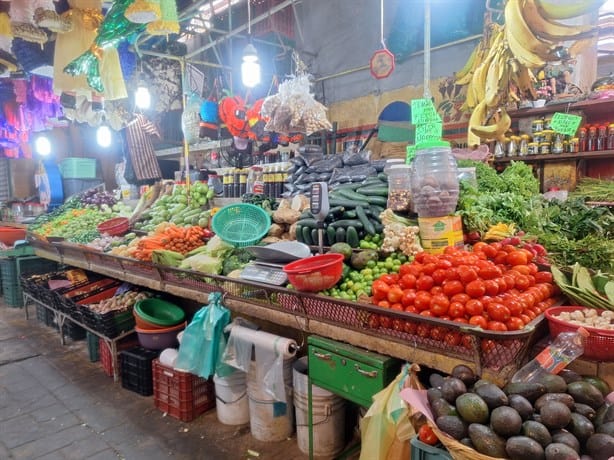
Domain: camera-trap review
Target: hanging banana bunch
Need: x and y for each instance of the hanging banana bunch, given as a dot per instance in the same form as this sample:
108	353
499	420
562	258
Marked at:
507	55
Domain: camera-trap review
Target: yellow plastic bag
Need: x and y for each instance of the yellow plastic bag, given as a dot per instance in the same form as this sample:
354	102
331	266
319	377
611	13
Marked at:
386	428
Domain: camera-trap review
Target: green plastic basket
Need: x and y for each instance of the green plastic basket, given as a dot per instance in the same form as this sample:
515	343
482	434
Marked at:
241	224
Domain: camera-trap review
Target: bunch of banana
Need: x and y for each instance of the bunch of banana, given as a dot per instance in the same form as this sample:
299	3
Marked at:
165	257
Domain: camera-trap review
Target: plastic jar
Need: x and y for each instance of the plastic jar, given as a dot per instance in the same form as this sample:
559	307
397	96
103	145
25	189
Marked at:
537	125
544	148
399	187
533	148
434	180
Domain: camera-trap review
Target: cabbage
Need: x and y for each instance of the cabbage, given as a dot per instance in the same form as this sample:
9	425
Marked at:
204	263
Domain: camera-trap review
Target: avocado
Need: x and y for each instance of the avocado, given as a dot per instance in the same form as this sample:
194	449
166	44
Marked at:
472	408
480	382
486	441
601	384
524	448
553	383
607	428
600	446
522	406
580	427
436	380
492	395
432	394
442	407
586	393
608	413
585	410
569	376
529	390
452	388
342	248
464	373
560	451
536	417
565	437
505	421
467	442
555	414
537	431
560	397
452	425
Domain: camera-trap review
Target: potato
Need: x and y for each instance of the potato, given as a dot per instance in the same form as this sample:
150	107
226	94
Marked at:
277	230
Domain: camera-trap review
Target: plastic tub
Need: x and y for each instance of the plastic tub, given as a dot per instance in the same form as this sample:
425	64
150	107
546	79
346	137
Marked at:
159	339
160	312
144	324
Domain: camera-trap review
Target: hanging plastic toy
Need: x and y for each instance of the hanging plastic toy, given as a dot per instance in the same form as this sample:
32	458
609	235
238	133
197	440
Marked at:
22	21
143	11
168	22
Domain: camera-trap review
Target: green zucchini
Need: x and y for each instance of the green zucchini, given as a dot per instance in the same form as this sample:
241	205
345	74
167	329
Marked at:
379	227
299	233
351	237
347	223
366	223
306	215
347	204
378	200
311	223
335	212
377	209
315	240
348	186
350	214
352	195
306	231
331	235
383	177
339	235
379	190
373	181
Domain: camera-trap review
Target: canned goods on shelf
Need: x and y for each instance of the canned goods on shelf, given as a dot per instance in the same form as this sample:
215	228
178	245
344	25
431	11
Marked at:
544	148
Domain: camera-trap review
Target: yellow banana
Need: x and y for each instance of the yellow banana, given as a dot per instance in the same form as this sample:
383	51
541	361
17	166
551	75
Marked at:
465	72
523	55
477	118
517	30
493	131
491	89
555	10
551	30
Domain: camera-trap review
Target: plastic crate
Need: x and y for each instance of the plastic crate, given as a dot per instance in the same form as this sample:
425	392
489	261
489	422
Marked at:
78	168
44	315
180	394
13	268
106	359
136	370
93	346
422	451
109	324
73	331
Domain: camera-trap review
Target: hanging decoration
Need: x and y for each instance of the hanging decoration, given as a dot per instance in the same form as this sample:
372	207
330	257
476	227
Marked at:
209	116
45	16
114	29
233	113
143	11
7	60
381	64
168	22
22	20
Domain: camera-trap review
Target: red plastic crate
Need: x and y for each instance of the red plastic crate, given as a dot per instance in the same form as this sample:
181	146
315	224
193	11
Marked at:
104	353
181	395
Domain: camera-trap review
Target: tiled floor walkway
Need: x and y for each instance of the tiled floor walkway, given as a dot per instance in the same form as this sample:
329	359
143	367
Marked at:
56	405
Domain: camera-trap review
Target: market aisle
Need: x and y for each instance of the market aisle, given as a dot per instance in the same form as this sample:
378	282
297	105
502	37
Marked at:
55	405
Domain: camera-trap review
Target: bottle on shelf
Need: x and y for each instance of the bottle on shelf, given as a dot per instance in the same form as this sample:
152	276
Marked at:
564	349
242	182
236	183
610	142
602	137
591	141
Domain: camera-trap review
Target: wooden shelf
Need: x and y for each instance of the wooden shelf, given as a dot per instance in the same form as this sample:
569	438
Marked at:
595	108
552	157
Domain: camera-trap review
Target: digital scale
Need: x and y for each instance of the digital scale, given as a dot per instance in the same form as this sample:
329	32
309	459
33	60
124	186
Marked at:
265	272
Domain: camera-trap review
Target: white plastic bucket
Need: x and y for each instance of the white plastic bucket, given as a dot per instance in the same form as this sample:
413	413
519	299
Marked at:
328	413
269	420
231	398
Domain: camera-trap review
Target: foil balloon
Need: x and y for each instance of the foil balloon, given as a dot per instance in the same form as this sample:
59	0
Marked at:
113	30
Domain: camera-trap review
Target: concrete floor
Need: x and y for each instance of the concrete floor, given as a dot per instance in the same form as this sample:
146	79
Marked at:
56	405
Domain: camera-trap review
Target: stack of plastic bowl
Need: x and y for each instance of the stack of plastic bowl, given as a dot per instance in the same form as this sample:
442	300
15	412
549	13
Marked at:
157	323
434	180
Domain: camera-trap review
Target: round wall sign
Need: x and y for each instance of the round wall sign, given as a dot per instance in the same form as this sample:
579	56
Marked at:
381	64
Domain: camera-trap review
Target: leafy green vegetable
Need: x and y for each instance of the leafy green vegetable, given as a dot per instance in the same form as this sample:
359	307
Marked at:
236	261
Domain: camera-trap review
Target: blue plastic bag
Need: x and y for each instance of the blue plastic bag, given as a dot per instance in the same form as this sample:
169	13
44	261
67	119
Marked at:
204	340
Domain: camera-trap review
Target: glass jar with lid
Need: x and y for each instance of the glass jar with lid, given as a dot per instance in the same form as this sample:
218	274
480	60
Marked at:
399	187
533	148
537	125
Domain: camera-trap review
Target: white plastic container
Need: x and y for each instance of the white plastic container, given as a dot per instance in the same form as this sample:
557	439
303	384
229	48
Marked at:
231	398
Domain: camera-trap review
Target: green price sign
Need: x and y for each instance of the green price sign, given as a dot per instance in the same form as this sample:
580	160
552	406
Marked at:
423	111
428	132
565	123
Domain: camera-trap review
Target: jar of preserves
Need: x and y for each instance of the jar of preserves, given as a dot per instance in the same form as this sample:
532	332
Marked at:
523	148
591	141
513	148
557	143
538	137
544	148
574	145
547	135
537	125
547	123
602	137
582	139
533	148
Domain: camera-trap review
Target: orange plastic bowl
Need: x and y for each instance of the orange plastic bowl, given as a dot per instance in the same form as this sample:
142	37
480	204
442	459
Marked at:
8	235
317	273
142	323
114	227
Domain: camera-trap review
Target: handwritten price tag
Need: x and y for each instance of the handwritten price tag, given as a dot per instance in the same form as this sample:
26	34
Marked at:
565	123
428	132
423	111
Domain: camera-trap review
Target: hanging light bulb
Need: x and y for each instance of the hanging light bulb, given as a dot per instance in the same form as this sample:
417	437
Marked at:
250	67
42	146
142	97
103	136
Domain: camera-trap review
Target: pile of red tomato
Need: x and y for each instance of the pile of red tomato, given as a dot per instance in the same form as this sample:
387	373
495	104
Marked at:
496	287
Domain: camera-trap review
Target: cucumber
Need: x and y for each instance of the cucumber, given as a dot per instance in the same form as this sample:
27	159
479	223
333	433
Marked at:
377	209
349	186
306	232
331	235
311	223
347	204
315	240
378	200
379	190
383	177
299	233
373	181
379	227
347	223
339	235
352	195
351	214
366	223
306	215
335	212
351	237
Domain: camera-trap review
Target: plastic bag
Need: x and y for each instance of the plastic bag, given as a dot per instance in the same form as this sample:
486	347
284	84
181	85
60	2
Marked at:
356	158
352	174
327	164
311	153
204	340
386	428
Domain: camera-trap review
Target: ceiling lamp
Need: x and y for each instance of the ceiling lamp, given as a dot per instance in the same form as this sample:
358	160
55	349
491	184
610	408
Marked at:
250	67
42	146
142	97
103	136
